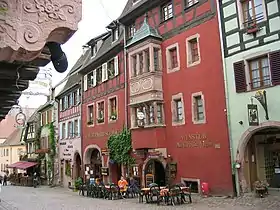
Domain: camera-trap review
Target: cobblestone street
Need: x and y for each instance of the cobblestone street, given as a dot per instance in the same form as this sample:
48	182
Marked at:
44	198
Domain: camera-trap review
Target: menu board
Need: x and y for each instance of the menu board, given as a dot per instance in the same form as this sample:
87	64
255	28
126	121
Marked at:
149	179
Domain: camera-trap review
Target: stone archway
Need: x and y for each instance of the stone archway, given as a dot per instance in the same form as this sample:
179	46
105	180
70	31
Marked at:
93	161
77	165
159	160
242	144
87	153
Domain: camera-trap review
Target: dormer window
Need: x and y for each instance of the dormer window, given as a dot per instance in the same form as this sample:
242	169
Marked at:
93	50
131	31
115	34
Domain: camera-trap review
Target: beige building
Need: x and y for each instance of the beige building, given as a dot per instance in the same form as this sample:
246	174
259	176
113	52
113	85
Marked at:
11	150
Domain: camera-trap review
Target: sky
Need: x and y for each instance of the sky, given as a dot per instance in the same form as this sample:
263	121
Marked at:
97	14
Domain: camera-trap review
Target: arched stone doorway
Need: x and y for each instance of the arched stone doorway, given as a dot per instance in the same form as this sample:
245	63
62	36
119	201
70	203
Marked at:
93	162
154	172
259	154
77	166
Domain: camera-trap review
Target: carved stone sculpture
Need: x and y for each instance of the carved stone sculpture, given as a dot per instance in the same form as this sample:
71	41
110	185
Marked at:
26	26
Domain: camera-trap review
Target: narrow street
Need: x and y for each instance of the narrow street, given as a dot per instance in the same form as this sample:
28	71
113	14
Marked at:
44	198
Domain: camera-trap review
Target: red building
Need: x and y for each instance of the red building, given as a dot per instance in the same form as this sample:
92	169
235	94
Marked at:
103	106
176	93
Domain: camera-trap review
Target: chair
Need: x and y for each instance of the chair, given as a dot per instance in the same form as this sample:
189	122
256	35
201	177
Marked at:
114	192
154	192
175	195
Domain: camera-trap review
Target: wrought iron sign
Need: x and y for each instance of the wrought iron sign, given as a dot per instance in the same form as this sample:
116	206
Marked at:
261	97
253	116
20	119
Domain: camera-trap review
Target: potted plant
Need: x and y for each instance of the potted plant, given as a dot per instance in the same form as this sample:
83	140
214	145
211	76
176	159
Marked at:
113	116
100	120
77	184
261	188
90	123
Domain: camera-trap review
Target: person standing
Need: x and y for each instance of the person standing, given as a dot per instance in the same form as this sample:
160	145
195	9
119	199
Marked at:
5	180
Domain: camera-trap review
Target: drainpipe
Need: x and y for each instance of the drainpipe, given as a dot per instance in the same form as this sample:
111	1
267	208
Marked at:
81	128
227	101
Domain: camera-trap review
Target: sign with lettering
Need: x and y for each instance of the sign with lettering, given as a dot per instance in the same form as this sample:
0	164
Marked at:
196	141
101	134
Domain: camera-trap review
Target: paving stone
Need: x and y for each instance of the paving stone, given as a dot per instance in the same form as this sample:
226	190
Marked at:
44	198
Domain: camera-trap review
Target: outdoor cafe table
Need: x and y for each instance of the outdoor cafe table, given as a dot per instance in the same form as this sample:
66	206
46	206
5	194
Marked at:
163	191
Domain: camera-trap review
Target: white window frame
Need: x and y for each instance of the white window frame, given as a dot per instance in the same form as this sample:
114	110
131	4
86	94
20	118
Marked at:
97	114
109	109
190	63
168	58
104	72
194	120
93	115
173	108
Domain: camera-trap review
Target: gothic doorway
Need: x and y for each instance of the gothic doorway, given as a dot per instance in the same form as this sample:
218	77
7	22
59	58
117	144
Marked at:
154	173
93	169
77	166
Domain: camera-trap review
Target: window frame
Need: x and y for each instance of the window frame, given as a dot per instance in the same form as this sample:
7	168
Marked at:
170	68
90	123
166	15
110	99
195	119
99	120
189	56
174	110
188	5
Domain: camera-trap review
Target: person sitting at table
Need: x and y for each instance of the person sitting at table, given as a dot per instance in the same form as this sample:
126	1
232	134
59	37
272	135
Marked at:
133	187
122	184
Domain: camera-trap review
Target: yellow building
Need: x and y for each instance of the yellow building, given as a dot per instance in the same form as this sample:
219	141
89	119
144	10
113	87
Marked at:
11	150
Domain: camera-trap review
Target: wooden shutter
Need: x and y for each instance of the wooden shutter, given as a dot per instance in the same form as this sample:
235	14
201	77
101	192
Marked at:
274	58
104	72
94	78
116	65
85	83
240	77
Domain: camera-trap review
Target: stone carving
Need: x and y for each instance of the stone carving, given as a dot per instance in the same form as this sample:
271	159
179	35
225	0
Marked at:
26	26
141	85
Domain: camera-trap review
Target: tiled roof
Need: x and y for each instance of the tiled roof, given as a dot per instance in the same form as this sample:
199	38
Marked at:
144	32
14	138
129	7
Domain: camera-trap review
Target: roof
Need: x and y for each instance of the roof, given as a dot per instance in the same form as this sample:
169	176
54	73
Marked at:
129	7
13	139
105	48
144	32
35	115
46	105
97	38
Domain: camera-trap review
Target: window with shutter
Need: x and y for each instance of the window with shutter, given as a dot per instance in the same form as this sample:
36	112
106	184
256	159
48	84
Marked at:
94	78
275	67
85	83
240	77
116	62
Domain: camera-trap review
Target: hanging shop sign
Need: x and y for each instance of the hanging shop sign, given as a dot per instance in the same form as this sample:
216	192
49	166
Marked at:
105	171
253	116
20	119
196	140
262	99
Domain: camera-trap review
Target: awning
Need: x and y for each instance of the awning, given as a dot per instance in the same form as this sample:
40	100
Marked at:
22	165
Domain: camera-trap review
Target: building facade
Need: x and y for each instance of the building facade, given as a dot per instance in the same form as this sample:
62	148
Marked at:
177	116
69	124
250	31
103	103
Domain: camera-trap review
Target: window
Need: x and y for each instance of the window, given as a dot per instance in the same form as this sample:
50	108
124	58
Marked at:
141	63
179	107
30	148
173	58
69	99
31	128
198	108
156	59
76	128
7	152
147	61
194	50
70	129
90	115
167	11
44	118
113	109
178	113
134	65
111	68
74	98
100	112
151	114
65	103
93	50
63	132
189	3
49	117
131	31
252	11
159	113
259	72
99	75
115	34
90	80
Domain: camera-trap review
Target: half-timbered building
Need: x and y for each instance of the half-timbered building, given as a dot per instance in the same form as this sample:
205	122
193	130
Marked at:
176	93
103	101
250	36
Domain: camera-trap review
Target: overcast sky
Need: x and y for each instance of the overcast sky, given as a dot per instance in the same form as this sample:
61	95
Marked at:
97	14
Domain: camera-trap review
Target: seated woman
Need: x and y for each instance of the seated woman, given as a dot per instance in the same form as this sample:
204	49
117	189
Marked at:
122	183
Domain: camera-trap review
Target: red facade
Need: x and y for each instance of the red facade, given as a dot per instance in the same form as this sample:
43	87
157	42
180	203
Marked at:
200	150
